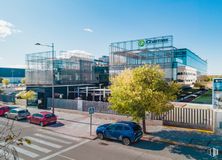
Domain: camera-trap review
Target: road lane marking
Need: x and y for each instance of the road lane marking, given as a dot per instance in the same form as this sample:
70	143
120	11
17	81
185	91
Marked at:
64	150
44	142
36	147
25	152
61	135
51	138
65	157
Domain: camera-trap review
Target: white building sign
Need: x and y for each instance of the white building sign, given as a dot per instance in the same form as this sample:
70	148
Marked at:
217	93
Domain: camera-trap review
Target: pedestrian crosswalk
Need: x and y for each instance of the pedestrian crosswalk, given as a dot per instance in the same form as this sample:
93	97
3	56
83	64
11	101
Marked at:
43	143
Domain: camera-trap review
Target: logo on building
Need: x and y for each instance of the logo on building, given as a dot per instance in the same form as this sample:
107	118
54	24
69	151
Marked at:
141	42
153	41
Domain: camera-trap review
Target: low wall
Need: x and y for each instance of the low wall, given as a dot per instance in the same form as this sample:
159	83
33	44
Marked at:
63	103
188	125
81	105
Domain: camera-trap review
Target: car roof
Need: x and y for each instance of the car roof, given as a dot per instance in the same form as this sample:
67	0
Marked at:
128	122
3	106
45	112
19	109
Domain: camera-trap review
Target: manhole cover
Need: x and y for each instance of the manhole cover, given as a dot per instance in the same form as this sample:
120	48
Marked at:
102	143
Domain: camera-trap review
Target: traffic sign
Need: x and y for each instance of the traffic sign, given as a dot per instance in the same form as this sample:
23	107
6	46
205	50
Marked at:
91	110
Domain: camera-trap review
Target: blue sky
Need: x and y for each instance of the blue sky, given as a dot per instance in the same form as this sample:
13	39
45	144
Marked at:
91	25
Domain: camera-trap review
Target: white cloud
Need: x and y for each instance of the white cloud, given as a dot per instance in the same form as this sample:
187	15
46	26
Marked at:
76	53
13	66
88	30
7	29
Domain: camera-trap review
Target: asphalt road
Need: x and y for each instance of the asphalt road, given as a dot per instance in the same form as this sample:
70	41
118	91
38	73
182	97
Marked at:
48	145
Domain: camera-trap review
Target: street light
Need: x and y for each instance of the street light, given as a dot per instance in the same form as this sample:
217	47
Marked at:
53	56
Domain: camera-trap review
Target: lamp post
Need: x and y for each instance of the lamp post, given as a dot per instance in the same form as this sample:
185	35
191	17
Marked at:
53	56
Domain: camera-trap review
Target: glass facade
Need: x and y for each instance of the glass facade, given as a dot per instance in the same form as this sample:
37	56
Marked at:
166	56
188	58
14	75
68	68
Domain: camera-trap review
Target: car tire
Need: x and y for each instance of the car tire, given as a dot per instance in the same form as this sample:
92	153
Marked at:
6	116
126	141
41	124
16	118
29	121
100	136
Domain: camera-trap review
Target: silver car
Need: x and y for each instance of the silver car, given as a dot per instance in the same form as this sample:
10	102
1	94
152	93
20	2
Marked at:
17	114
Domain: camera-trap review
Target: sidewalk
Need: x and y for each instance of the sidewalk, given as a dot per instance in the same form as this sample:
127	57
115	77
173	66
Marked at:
76	123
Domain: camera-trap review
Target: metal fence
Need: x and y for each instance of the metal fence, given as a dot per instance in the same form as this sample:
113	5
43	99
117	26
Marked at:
63	103
82	105
187	117
100	107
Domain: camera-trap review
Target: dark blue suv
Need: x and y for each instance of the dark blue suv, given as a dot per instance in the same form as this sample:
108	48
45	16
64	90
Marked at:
126	131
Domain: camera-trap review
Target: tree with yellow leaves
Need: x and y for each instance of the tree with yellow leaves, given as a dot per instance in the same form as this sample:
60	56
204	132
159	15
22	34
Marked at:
142	90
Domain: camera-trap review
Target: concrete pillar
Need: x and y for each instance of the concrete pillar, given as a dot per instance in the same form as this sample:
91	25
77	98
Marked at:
218	121
87	92
67	92
79	104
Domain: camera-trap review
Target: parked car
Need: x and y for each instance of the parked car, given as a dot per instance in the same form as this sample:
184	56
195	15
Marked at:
126	131
17	114
3	110
42	118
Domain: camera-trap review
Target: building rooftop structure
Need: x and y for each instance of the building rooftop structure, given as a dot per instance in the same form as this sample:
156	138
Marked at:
177	64
68	67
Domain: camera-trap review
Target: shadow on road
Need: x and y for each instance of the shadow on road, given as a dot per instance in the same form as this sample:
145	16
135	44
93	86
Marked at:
192	153
148	145
191	137
56	125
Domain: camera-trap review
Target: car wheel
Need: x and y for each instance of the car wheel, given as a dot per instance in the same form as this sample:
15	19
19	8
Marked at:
29	120
126	141
16	118
41	124
100	136
6	116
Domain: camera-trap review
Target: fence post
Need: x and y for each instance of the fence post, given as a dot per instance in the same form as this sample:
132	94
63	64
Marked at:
79	104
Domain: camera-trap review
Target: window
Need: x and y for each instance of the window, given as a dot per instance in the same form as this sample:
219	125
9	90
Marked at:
126	128
137	128
49	115
220	125
111	128
119	128
13	111
37	115
21	112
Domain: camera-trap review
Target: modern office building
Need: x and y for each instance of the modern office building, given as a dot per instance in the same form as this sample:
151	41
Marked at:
14	75
72	74
101	68
180	65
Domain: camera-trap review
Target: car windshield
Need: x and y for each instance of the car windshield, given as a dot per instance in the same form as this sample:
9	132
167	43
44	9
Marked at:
22	112
136	128
49	115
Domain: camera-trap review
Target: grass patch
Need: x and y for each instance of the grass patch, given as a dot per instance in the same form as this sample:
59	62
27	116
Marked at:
206	98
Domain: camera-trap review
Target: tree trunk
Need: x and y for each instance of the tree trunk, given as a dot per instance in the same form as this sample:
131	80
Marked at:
144	124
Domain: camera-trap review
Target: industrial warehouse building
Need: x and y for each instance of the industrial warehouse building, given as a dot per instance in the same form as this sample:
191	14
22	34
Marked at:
181	65
14	75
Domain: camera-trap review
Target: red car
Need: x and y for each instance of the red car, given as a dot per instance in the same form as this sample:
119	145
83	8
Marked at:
3	110
42	118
